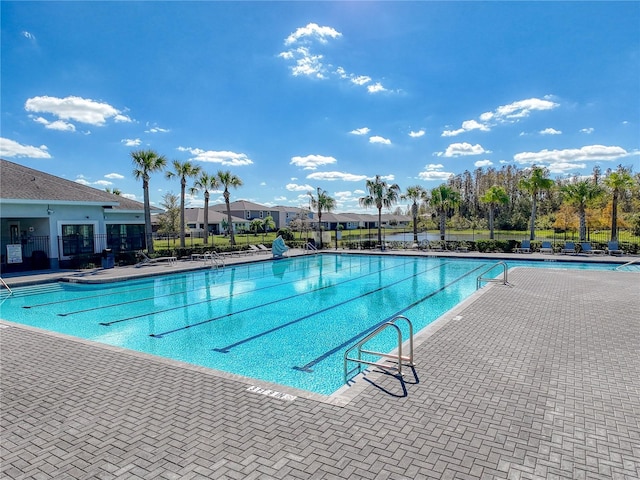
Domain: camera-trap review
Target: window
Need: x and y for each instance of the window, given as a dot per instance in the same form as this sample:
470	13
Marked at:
77	239
125	237
248	215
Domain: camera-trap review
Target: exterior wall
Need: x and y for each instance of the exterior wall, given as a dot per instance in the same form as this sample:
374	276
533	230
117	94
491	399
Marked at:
40	226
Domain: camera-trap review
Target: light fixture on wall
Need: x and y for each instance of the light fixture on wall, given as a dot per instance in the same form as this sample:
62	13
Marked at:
49	211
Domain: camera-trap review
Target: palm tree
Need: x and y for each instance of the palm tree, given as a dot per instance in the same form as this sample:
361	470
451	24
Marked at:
114	191
323	202
147	162
182	170
381	194
415	193
580	194
206	182
494	197
268	224
535	183
255	226
444	199
618	182
227	179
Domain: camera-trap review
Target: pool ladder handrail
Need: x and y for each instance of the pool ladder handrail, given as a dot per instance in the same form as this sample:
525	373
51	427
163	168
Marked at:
311	247
399	358
6	286
504	279
635	260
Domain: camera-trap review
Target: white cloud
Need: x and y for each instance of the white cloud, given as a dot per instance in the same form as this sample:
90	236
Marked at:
586	153
461	149
131	142
77	109
379	139
564	167
312	31
434	172
12	149
483	163
102	183
130	196
312	162
503	114
417	134
294	187
157	130
360	79
588	131
225	158
330	176
375	88
523	108
307	62
550	131
467	126
360	131
114	176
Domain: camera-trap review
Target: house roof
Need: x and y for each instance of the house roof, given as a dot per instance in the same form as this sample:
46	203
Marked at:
20	183
244	205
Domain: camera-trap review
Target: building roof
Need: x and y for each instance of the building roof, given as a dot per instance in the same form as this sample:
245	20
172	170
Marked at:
23	184
243	205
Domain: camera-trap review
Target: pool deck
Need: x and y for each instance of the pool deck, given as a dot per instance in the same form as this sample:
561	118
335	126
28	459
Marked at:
536	379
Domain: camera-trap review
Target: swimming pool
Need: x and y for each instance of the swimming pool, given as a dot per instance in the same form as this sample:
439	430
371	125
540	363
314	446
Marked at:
287	321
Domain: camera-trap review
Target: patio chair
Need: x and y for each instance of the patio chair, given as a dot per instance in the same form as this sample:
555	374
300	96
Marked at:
146	260
525	247
263	248
585	247
546	247
614	249
569	247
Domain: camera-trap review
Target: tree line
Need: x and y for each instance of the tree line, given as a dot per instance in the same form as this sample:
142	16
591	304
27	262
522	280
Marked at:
508	198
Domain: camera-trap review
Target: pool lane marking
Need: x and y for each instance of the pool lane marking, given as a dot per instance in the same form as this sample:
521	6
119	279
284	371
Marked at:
125	287
317	312
307	367
145	299
248	309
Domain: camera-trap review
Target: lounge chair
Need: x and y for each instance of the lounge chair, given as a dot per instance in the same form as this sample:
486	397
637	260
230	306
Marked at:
614	249
585	247
525	247
546	248
278	247
146	260
254	249
569	247
263	248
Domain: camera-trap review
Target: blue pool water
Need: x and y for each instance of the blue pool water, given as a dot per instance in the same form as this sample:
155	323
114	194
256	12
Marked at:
287	321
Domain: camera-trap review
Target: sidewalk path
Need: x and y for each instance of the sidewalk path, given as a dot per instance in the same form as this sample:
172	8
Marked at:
540	379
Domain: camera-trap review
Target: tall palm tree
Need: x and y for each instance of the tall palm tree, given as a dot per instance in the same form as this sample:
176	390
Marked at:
494	197
227	179
618	182
145	163
182	170
415	194
322	202
381	194
206	182
580	194
536	182
444	199
114	191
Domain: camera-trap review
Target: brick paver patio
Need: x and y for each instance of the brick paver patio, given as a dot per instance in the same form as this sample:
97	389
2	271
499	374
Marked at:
540	379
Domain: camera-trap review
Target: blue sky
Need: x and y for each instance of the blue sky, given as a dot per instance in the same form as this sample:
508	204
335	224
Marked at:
292	96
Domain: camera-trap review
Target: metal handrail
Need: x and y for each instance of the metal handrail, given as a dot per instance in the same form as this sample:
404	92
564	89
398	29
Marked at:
635	260
504	280
311	247
6	286
398	357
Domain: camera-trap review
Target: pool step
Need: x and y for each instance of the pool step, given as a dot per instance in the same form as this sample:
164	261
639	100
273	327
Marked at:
37	289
